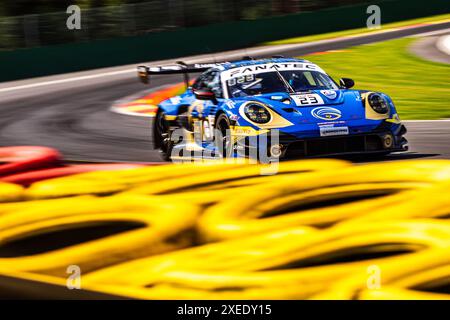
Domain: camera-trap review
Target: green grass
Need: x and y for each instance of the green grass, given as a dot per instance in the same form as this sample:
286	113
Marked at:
337	34
420	89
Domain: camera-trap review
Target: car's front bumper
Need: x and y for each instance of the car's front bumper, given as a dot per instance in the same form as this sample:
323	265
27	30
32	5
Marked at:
377	141
354	144
374	142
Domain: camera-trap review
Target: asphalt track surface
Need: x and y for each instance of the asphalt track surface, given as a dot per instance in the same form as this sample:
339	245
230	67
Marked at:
74	117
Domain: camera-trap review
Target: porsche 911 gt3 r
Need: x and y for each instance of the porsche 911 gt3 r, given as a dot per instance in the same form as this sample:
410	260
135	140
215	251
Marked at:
311	114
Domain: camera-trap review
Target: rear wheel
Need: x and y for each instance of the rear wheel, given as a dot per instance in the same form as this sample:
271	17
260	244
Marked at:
163	135
223	136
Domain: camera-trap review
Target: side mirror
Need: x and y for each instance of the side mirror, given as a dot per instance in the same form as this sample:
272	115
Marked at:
346	83
205	95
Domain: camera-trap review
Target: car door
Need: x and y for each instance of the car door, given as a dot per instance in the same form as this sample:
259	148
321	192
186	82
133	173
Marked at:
202	110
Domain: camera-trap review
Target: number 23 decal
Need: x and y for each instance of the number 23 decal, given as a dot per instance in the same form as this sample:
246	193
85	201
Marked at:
307	99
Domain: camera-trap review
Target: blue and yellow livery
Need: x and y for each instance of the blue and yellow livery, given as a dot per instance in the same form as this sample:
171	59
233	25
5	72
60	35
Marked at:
311	113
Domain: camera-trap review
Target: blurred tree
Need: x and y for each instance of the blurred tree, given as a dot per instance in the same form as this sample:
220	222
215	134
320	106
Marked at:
246	9
23	7
108	18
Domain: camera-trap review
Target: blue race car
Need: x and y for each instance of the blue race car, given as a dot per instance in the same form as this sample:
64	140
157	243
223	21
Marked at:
231	103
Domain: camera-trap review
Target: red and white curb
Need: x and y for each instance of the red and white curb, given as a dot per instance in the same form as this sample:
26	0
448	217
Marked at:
145	103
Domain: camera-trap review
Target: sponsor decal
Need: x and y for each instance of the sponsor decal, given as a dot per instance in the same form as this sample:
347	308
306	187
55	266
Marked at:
246	131
330	94
331	123
230	104
326	131
268	67
326	113
234	117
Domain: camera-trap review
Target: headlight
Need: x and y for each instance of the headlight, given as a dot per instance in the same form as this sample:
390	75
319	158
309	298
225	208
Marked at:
257	112
378	103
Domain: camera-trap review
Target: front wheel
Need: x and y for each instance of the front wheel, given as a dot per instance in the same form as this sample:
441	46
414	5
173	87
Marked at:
163	136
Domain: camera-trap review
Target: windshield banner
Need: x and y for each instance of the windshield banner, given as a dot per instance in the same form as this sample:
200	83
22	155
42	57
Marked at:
269	67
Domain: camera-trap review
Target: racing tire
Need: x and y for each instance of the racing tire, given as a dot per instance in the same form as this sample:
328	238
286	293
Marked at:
222	136
163	136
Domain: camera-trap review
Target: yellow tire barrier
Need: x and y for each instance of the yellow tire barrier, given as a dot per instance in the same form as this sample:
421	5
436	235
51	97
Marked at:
210	187
303	268
310	231
10	192
431	202
188	285
109	182
242	254
92	233
431	284
30	286
394	293
318	199
421	276
245	176
43	205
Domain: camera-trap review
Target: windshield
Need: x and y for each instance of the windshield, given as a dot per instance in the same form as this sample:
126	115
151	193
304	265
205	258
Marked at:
268	82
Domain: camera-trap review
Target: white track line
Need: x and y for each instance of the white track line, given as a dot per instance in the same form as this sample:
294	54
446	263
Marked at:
433	33
47	83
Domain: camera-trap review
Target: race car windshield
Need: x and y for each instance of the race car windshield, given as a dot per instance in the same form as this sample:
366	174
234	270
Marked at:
270	82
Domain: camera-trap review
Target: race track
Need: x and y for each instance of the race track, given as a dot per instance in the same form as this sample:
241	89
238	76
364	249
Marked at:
74	116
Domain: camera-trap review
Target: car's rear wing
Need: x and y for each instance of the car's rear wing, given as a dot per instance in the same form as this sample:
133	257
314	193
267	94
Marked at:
144	72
